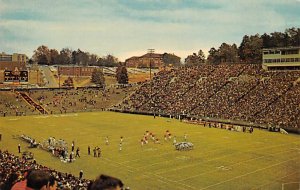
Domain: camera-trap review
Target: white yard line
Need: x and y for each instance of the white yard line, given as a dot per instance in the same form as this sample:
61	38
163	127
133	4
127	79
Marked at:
234	164
150	175
192	165
237	177
277	179
159	155
134	160
13	119
172	160
175	182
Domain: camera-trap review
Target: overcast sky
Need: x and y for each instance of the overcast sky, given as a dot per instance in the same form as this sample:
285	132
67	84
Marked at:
126	28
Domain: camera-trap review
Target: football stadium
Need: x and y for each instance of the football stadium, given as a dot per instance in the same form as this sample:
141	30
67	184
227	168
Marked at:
233	130
85	104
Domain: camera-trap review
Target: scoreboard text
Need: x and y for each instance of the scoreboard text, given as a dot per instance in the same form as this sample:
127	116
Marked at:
16	76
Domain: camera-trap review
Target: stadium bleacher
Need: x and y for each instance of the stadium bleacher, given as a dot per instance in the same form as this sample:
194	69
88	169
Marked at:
238	92
243	92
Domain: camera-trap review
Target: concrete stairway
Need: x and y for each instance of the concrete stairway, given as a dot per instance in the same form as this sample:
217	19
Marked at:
32	103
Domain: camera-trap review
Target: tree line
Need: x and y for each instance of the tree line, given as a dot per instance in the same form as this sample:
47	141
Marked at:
250	49
45	56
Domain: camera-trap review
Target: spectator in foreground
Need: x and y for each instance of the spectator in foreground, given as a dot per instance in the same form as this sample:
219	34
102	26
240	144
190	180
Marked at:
21	184
38	179
52	183
104	182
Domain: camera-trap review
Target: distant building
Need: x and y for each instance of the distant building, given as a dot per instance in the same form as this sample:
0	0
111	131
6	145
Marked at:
69	70
10	62
281	58
144	61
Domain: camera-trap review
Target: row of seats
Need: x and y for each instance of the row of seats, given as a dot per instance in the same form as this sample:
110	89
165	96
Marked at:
227	91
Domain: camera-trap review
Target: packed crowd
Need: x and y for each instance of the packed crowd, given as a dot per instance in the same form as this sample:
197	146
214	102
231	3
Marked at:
13	169
243	92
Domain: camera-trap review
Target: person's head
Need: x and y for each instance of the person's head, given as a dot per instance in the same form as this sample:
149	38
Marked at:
104	182
38	179
52	183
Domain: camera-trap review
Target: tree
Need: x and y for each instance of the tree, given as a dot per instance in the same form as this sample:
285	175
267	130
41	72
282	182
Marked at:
98	78
195	59
93	59
171	59
293	36
250	50
201	56
191	60
68	82
228	53
243	48
73	58
80	58
225	54
108	61
122	75
54	57
278	39
266	40
65	56
213	57
42	55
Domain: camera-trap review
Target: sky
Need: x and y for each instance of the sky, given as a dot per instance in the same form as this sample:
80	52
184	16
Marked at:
126	28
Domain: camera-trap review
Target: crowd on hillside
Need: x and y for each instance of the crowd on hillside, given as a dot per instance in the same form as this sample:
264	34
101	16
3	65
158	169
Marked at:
12	104
68	100
226	91
60	101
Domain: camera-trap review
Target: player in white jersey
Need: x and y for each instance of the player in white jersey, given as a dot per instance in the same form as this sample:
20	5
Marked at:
174	140
106	140
120	147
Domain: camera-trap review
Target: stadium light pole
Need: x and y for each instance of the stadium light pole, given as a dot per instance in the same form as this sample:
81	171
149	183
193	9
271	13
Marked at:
58	73
37	74
151	51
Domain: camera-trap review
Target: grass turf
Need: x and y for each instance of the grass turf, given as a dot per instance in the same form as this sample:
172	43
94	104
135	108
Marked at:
221	159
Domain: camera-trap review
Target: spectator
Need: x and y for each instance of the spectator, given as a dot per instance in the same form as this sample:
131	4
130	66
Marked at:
52	182
226	91
14	172
80	174
104	182
38	179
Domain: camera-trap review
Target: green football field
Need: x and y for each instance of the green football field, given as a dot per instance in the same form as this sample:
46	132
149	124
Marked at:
220	159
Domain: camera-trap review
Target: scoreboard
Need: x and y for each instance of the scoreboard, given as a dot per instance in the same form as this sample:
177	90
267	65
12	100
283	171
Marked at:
16	76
